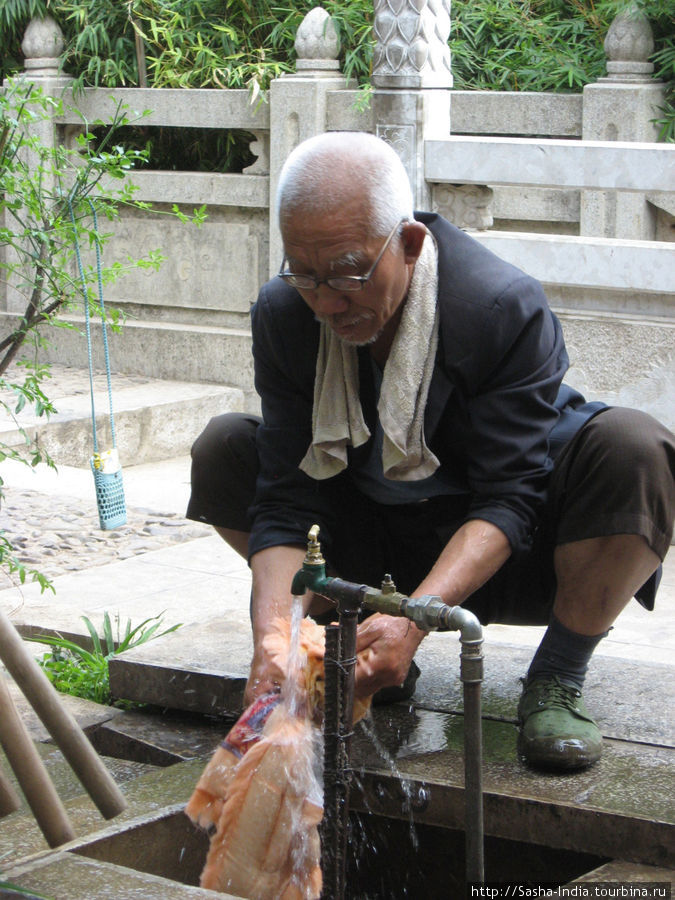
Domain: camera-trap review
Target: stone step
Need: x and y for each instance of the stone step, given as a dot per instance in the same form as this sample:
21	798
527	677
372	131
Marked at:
154	419
160	739
174	351
190	670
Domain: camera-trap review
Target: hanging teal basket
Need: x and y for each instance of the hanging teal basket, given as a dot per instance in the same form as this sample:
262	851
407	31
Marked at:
112	510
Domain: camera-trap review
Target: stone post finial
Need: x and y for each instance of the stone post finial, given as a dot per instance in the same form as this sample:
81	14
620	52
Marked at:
628	45
42	46
411	49
317	43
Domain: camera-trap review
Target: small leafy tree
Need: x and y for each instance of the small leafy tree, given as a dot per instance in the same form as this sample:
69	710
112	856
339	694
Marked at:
40	182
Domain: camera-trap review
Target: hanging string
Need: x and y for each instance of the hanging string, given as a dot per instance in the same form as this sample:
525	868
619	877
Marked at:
87	324
106	352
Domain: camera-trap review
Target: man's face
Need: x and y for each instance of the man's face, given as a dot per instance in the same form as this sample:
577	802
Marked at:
341	244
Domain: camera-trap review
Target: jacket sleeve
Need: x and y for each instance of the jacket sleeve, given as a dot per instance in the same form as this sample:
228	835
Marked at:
511	393
285	342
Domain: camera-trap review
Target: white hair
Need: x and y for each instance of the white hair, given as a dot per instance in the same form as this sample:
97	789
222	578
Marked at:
324	171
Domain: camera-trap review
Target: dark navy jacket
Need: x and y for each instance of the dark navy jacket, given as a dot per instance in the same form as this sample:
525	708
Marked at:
497	412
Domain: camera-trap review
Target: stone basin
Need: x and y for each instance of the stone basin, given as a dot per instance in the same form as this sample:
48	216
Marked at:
408	769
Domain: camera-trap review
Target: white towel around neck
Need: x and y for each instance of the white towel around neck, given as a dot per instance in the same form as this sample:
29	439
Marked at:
337	417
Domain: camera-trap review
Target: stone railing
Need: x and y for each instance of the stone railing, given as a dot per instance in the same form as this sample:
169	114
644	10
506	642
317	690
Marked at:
201	297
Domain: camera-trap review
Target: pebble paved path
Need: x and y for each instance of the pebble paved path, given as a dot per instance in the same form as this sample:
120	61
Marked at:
56	535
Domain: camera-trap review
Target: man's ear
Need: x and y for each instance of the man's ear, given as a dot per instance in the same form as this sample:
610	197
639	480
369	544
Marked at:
412	236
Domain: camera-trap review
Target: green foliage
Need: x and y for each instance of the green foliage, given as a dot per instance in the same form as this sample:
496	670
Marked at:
540	45
551	45
84	673
15	889
189	149
534	45
39	180
185	43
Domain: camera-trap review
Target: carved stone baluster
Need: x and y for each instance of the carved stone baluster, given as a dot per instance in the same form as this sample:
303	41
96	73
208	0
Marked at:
628	46
412	77
317	44
622	107
411	44
468	206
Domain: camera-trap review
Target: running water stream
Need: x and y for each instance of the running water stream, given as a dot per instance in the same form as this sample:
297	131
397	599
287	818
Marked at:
291	693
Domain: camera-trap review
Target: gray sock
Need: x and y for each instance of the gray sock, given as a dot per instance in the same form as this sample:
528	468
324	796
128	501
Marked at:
564	653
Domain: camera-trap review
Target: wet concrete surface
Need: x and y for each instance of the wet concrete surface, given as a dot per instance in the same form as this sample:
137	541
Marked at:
146	789
620	807
160	738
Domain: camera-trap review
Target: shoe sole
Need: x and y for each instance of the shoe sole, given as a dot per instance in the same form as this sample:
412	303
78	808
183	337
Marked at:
564	756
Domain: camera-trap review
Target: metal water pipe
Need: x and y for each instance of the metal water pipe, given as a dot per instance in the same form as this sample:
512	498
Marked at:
428	613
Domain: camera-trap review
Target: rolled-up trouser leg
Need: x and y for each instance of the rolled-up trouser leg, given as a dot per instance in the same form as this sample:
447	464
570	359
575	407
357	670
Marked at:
224	472
617	476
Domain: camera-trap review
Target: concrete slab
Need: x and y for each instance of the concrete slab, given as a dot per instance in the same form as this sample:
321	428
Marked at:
88	715
188	582
188	669
160	740
66	876
631	700
147	789
628	873
65	781
203	671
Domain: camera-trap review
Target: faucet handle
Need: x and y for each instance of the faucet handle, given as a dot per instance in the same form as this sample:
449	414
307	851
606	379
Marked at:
314	556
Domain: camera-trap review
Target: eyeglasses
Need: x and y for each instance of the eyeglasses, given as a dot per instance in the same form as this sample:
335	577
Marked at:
337	282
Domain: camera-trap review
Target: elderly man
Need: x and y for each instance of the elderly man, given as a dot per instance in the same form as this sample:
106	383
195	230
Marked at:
413	407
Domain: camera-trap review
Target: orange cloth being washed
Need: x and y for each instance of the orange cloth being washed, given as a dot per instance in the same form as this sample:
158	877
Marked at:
260	790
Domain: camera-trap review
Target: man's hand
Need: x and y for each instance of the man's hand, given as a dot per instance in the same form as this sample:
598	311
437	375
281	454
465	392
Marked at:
385	646
259	679
272	570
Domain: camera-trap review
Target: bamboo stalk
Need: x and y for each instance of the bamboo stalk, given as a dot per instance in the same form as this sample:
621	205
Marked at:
9	800
31	774
61	725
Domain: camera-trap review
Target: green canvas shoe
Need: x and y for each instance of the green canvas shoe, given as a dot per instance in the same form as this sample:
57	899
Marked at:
556	731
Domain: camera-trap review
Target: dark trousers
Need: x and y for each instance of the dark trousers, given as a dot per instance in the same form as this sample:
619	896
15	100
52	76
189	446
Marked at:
616	476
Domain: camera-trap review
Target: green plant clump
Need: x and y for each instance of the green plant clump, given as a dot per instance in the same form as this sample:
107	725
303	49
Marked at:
84	673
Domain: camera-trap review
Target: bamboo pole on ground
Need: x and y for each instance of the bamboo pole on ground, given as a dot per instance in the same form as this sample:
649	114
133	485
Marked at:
31	774
61	725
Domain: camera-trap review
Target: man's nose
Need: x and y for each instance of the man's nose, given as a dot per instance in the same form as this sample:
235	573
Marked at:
328	302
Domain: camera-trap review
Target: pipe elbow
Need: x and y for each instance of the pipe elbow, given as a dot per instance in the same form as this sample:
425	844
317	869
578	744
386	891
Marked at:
464	621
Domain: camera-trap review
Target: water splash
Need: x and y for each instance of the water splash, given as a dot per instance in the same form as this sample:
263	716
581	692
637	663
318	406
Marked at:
291	693
409	791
